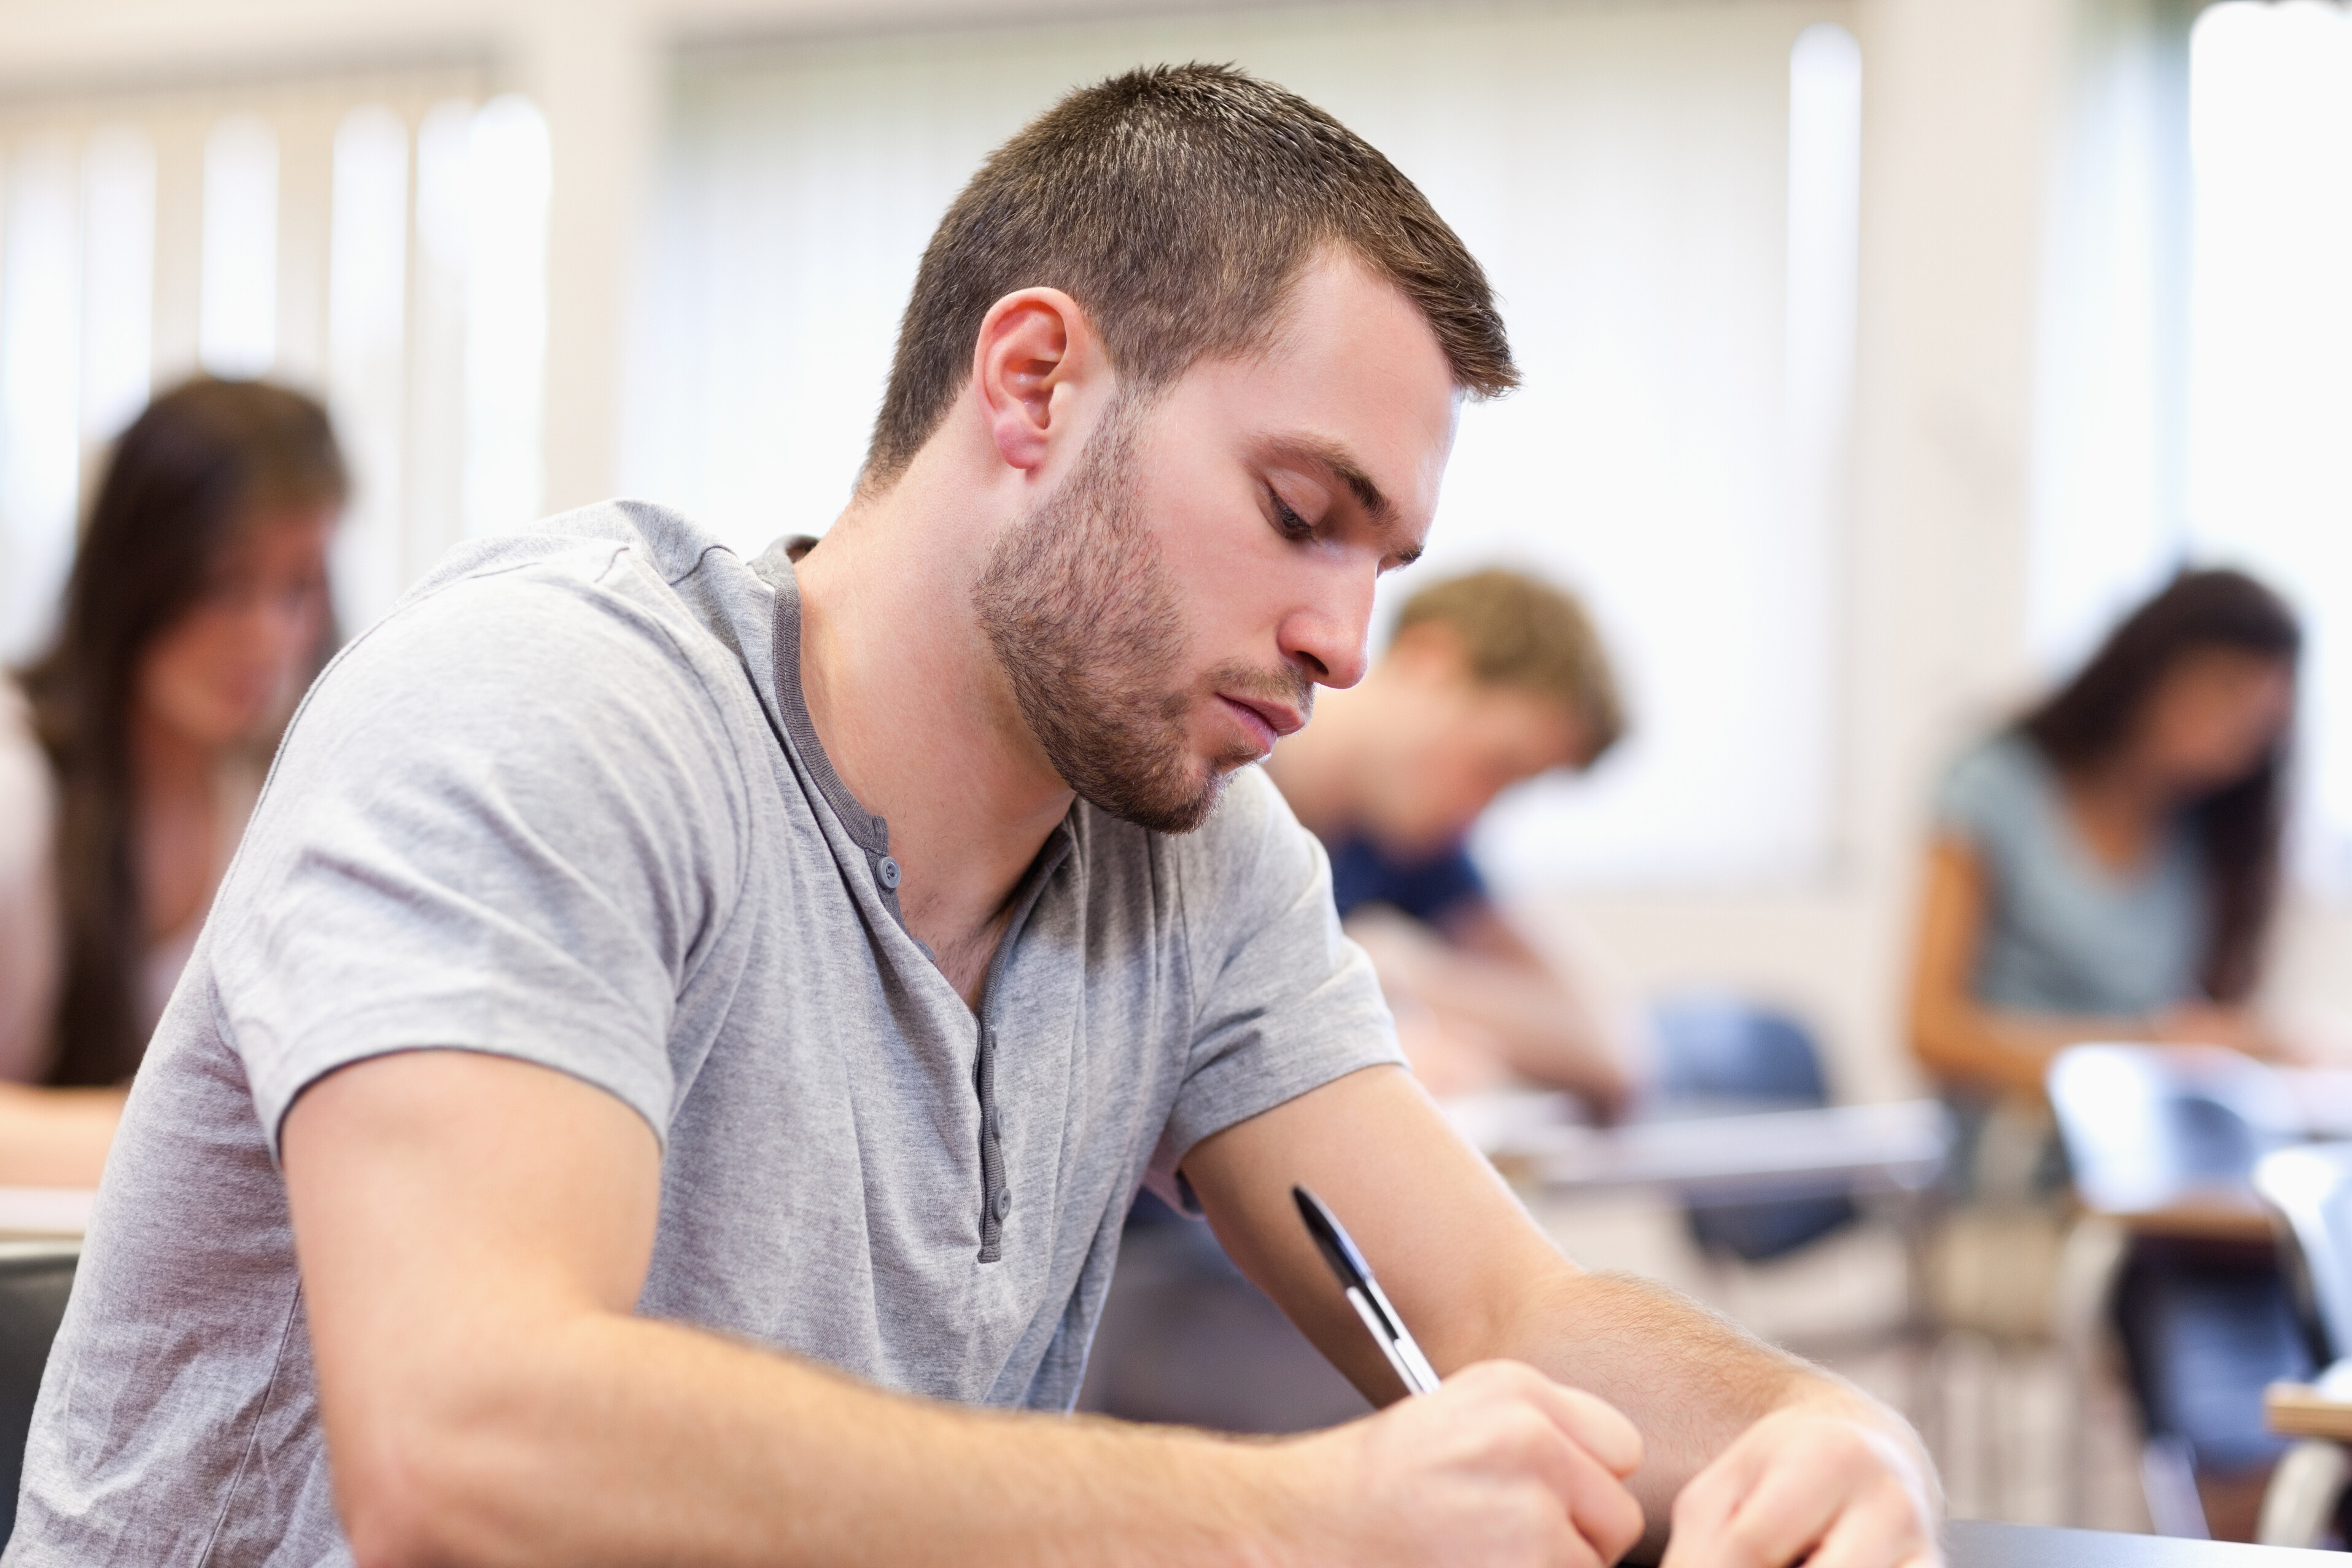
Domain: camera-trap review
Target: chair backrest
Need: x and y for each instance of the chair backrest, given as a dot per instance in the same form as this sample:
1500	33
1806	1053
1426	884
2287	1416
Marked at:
2148	1127
36	1277
1724	1056
1736	1052
2309	1190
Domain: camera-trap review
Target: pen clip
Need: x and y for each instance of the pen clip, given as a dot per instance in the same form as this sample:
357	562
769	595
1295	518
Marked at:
1386	1343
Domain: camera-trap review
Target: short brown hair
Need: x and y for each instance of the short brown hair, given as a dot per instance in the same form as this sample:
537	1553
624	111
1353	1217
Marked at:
1521	632
1176	206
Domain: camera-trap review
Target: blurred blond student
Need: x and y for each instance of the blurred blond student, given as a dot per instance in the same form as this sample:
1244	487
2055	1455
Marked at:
1492	680
132	751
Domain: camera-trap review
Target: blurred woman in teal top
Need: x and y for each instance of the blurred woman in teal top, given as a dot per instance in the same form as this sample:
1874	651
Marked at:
2106	869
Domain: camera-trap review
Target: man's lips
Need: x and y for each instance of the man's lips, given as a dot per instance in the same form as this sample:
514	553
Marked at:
1266	722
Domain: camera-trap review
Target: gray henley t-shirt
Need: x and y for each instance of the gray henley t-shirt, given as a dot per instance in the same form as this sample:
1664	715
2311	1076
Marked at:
565	804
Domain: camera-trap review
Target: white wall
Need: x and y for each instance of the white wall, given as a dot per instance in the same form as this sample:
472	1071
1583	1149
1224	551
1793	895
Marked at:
1960	97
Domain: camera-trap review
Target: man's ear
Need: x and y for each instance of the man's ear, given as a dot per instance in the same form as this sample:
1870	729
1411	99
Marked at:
1036	349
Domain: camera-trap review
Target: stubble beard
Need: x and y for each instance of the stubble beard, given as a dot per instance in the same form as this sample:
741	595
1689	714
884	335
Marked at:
1078	609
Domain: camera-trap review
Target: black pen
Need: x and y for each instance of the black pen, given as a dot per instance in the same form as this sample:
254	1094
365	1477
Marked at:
1339	1249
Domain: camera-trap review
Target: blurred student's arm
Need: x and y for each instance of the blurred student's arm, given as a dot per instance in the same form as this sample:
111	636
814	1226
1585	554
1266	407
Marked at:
1475	1002
49	1138
56	1137
1959	1039
1955	1036
28	902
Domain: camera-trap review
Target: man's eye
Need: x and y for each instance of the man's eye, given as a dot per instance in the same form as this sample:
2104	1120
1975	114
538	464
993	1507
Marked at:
1292	525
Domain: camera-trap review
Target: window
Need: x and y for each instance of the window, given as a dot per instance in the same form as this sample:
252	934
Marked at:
2202	338
1665	197
2269	404
381	242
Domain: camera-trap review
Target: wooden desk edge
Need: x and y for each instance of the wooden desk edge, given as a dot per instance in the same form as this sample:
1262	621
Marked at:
2299	1410
2198	1219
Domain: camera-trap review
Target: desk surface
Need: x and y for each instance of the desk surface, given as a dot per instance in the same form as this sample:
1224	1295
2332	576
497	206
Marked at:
1978	1545
2299	1410
45	1211
1750	1155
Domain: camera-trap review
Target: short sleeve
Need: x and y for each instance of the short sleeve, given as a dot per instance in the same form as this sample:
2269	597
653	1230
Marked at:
504	821
1981	796
1285	1002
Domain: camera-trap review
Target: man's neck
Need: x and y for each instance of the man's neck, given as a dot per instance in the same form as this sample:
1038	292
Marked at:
919	720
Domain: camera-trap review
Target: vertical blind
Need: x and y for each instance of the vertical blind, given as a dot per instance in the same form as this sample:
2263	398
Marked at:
378	240
2269	478
1665	197
2199	339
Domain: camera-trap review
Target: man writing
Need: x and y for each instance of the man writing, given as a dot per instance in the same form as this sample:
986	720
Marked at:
677	1029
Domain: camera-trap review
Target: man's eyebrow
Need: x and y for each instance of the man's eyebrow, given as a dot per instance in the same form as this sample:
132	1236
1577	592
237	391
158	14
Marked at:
1330	454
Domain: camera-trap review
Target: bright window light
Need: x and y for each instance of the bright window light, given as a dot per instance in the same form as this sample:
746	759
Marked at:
443	141
1824	240
367	288
1665	197
236	324
2269	409
506	313
118	227
40	435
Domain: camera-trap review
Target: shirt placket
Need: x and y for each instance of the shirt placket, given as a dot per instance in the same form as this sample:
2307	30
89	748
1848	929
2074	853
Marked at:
995	1183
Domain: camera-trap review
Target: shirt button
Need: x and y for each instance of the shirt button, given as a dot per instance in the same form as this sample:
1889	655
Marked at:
1003	1201
889	871
995	1125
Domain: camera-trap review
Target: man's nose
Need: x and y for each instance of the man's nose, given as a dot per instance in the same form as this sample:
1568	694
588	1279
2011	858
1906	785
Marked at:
1331	636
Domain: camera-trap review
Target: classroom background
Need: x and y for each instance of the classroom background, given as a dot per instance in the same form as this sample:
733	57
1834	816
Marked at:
1878	356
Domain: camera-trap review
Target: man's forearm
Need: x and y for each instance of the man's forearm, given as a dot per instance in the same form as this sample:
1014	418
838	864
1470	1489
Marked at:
1602	1332
612	1440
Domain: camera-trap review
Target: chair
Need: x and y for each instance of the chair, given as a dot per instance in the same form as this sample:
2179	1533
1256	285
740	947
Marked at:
36	1277
2309	1191
1719	1056
2163	1143
2151	1130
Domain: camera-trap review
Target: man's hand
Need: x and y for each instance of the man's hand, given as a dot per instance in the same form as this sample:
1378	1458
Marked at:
1500	1465
1808	1480
1749	1455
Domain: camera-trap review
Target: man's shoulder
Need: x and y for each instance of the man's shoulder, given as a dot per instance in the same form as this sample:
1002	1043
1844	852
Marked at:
543	661
621	584
630	548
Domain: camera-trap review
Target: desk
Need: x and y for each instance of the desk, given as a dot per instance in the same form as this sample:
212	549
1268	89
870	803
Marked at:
1971	1544
2299	1410
45	1211
2218	1215
1892	1151
1771	1155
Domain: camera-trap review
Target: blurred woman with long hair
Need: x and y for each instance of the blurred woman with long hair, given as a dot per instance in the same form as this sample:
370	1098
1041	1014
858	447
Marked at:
2106	869
131	750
